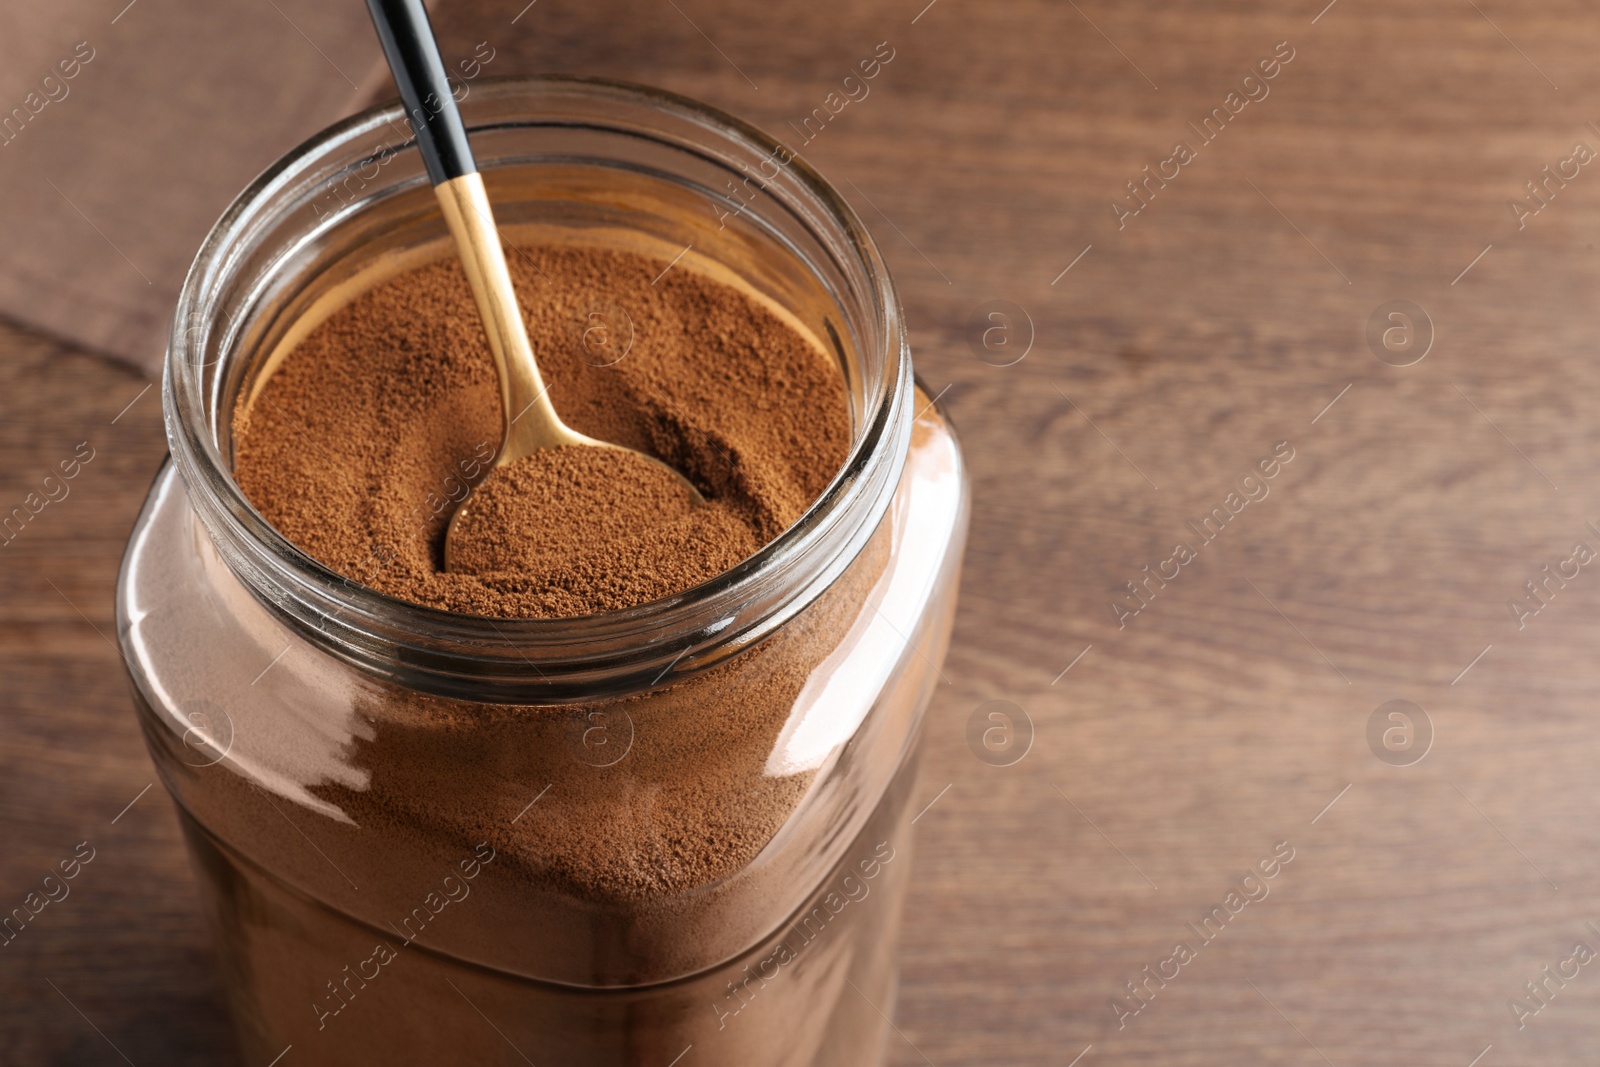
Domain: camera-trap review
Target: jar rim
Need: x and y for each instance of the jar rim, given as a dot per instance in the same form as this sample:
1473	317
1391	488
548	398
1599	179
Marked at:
534	660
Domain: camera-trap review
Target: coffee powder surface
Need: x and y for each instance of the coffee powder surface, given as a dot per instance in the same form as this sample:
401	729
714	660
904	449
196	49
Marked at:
580	529
363	441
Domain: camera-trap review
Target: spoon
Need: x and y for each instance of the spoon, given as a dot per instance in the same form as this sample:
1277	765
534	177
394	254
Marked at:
530	420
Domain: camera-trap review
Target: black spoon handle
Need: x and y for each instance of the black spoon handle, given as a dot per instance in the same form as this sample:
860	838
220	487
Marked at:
413	54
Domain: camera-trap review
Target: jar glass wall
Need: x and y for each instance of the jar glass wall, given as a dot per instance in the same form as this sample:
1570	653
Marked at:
432	837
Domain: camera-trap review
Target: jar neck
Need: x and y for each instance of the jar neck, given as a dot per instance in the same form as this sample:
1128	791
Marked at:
263	238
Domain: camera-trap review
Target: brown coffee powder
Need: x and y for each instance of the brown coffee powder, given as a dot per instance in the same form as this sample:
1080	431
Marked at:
362	442
629	861
579	530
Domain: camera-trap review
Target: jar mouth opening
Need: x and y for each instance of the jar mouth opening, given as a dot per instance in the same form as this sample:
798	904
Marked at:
536	659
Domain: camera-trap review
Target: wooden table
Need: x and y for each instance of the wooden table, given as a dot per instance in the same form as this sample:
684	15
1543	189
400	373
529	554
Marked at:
1174	749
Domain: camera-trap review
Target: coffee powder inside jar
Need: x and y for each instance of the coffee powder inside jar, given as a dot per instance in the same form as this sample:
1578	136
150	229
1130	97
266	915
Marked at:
355	448
361	444
608	878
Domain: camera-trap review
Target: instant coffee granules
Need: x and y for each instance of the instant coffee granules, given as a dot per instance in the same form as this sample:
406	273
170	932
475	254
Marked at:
699	857
625	830
361	443
358	447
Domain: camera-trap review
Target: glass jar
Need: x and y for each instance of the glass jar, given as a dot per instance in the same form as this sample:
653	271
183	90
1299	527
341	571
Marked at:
433	838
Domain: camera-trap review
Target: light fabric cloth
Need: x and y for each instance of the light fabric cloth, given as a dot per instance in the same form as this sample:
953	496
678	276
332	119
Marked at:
126	129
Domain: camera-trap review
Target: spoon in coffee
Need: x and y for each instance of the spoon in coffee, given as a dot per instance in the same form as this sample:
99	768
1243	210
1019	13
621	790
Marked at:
530	420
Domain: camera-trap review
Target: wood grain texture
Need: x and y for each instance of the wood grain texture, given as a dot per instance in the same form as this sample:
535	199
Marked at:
1223	718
